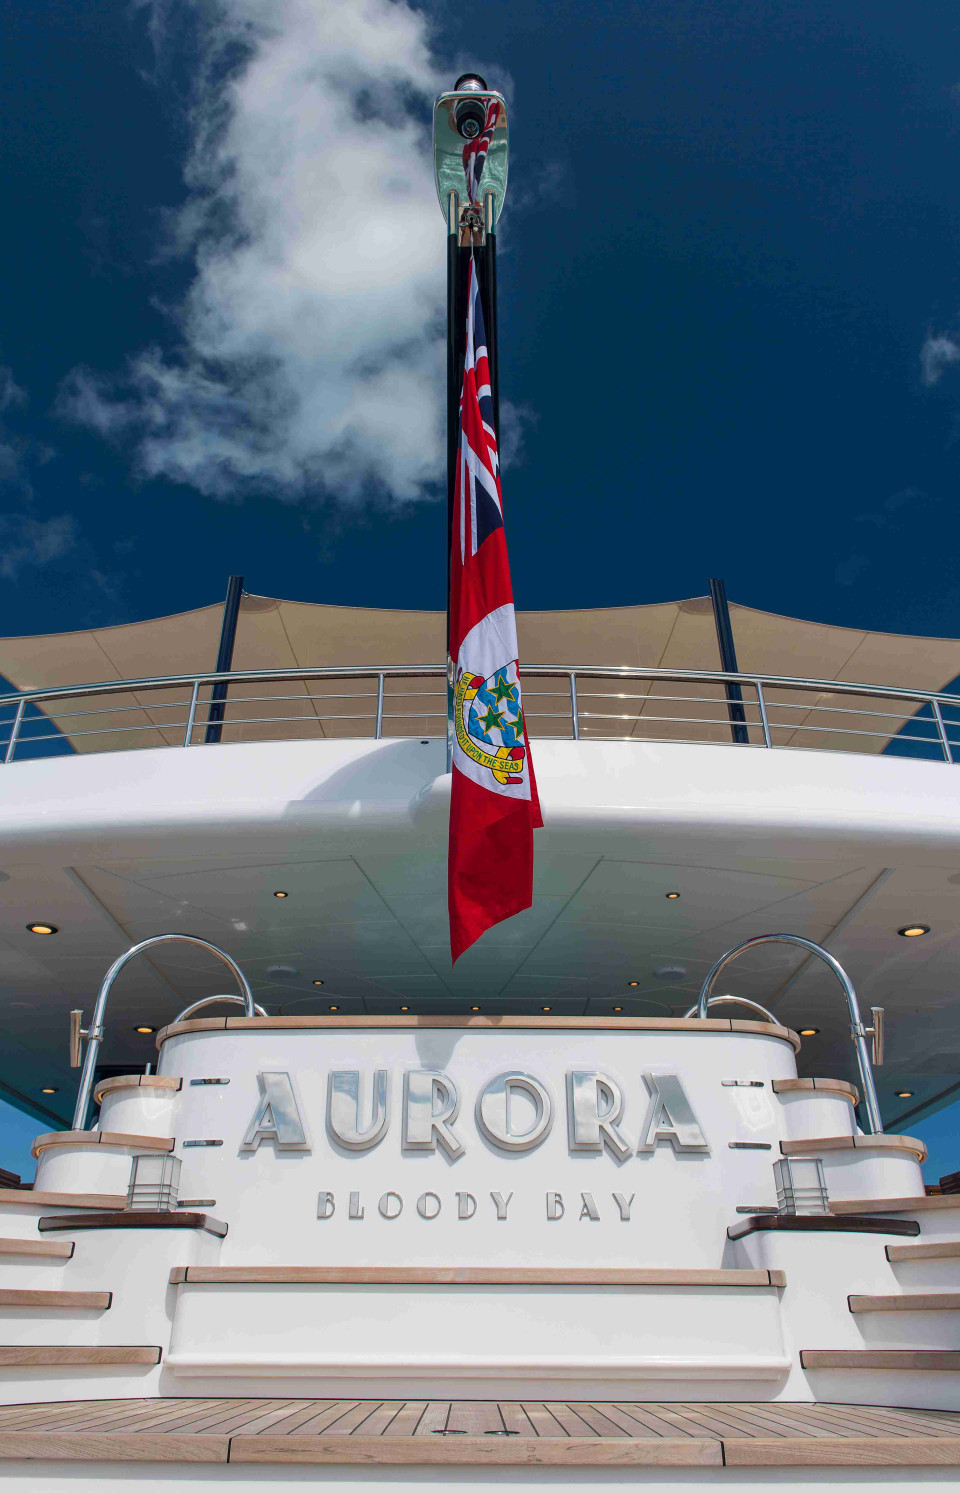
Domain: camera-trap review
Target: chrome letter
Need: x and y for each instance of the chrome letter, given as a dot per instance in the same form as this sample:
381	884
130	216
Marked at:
355	1209
495	1117
277	1117
588	1208
555	1207
343	1109
670	1116
326	1206
594	1105
501	1204
466	1205
624	1204
430	1105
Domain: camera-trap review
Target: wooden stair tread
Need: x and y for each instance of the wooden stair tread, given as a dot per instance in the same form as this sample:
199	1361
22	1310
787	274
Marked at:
64	1300
855	1143
944	1249
936	1301
53	1138
51	1249
429	1275
15	1355
937	1360
25	1197
936	1204
518	1433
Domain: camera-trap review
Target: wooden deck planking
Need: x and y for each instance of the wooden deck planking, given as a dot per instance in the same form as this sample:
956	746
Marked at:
473	1432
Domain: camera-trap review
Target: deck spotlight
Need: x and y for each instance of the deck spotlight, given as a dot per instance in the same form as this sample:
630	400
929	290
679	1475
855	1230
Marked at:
404	1008
546	1008
145	1030
672	896
281	894
633	983
474	1008
42	928
334	1008
48	1091
809	1031
901	1093
914	930
318	982
618	1008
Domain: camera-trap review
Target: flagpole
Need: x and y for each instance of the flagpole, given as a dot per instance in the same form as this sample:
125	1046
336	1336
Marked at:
488	289
453	419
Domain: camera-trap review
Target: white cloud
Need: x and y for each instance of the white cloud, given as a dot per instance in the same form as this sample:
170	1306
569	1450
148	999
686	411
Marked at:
937	355
30	542
311	339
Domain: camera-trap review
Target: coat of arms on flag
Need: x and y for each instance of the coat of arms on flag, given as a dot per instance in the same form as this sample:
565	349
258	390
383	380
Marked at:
489	722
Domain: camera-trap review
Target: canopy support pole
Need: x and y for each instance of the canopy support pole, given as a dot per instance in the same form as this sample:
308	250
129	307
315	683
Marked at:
228	636
728	661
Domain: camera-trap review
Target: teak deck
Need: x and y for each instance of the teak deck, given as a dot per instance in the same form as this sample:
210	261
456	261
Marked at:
410	1432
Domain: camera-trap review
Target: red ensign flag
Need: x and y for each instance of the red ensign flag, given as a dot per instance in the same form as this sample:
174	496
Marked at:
494	807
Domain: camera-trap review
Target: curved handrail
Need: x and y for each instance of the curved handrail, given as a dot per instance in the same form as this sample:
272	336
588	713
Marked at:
874	1125
737	1000
94	1035
211	1000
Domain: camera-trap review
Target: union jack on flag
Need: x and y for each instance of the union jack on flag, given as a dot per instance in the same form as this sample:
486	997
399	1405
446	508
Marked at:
494	807
475	152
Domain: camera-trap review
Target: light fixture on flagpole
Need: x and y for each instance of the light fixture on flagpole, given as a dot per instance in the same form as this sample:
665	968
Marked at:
458	117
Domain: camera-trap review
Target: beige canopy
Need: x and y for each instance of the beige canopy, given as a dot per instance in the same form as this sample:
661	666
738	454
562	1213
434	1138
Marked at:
274	635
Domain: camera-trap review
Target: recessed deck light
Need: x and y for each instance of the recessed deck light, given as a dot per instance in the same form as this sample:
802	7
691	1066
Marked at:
281	894
673	896
633	984
618	1008
809	1031
334	1008
42	928
546	1008
48	1091
318	982
901	1093
146	1030
474	1008
404	1008
913	930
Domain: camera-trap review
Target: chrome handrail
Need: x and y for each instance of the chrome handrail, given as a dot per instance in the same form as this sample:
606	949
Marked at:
858	1031
213	1000
734	1000
760	721
94	1034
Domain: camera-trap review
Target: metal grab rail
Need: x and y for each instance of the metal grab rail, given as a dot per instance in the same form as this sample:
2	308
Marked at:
213	1000
584	707
734	1000
94	1034
858	1031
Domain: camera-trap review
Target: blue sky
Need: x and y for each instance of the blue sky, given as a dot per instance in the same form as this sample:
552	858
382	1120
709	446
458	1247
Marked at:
729	304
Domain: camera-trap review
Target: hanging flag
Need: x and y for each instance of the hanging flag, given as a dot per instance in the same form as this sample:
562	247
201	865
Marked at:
494	807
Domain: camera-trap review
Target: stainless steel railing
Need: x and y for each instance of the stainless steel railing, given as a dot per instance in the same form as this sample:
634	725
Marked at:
601	703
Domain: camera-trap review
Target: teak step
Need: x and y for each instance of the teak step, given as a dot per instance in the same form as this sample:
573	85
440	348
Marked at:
135	1218
947	1249
50	1249
937	1301
461	1275
911	1360
99	1138
135	1081
489	1433
855	1143
835	1086
72	1300
25	1197
936	1204
64	1356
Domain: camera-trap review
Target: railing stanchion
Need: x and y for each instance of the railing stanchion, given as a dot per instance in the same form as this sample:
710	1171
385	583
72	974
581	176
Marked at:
15	729
191	713
379	707
574	710
762	707
941	728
